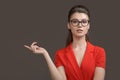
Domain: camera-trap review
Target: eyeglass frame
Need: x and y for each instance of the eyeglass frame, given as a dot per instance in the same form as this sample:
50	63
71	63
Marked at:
80	22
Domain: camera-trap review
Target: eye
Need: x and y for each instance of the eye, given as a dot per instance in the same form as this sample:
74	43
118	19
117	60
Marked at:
74	21
84	21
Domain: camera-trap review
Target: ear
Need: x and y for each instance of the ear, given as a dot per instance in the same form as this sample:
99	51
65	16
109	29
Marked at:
68	25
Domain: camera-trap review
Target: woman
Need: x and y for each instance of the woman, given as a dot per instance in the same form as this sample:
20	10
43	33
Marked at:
79	60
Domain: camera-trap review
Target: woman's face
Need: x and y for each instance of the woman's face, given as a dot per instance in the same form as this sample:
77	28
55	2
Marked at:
79	24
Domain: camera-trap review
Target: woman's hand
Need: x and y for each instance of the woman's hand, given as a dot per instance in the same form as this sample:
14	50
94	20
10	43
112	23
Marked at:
36	49
56	74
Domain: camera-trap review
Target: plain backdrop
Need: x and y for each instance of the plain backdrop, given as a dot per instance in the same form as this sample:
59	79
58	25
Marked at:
44	21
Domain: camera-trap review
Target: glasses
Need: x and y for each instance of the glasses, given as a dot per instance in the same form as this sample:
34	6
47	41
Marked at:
76	22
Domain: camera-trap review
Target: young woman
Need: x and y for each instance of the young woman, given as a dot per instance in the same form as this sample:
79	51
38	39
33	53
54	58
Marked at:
79	60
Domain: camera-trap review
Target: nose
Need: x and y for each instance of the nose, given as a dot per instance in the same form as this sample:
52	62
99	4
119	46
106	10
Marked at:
79	25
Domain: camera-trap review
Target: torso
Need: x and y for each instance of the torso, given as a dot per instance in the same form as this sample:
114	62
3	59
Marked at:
86	58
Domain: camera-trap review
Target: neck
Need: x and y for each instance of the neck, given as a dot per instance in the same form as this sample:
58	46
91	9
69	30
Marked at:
79	42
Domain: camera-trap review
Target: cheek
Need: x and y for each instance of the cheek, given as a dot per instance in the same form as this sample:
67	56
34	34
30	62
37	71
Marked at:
86	29
71	27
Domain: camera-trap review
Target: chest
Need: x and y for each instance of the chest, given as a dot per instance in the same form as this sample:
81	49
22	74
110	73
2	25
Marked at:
80	63
79	55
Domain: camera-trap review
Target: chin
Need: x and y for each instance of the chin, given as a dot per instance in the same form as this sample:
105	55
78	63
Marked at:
79	35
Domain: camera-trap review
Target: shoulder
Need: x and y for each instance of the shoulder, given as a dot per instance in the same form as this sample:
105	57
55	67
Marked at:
96	47
60	51
97	50
63	51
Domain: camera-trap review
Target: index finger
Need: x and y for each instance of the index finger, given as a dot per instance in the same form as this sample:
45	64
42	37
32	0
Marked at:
27	47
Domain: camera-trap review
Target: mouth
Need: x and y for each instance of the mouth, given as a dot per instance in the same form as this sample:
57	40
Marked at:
79	30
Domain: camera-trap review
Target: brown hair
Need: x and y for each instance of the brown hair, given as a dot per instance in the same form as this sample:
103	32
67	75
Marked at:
80	9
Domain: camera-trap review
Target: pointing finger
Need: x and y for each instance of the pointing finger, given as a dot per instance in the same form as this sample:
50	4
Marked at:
27	47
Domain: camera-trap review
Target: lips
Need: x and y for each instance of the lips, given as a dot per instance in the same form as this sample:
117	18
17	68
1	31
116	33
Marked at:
79	30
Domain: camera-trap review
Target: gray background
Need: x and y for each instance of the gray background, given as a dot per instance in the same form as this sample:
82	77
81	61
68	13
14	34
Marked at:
44	21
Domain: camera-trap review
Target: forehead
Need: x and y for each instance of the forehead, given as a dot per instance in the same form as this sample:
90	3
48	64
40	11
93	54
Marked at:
79	16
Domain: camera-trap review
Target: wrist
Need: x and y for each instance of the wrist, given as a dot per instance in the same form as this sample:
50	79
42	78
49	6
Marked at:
45	54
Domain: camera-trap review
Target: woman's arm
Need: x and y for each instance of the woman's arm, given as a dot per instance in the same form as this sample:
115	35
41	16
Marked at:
56	73
99	73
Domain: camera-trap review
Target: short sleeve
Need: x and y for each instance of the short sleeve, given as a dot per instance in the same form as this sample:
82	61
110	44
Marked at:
100	57
57	59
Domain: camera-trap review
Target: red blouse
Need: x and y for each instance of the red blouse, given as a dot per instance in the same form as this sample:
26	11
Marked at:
94	57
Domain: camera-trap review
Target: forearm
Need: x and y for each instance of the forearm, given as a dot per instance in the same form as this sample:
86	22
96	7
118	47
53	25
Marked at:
55	74
99	74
